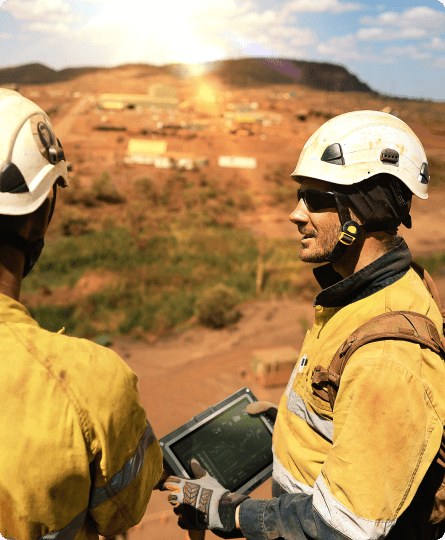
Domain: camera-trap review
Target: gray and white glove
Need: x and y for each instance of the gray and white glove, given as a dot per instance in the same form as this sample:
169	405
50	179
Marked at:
202	502
263	407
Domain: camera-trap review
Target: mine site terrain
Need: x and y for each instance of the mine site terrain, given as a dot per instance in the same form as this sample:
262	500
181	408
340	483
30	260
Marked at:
165	203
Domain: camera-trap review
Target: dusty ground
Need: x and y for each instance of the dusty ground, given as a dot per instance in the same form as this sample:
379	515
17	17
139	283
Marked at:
182	375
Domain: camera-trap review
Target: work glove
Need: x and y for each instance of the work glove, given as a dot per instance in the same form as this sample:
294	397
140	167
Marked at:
259	407
203	503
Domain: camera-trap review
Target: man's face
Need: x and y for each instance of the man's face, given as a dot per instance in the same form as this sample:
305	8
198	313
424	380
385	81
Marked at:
320	229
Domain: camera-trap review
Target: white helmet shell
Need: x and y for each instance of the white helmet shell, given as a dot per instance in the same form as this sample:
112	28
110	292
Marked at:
355	146
31	159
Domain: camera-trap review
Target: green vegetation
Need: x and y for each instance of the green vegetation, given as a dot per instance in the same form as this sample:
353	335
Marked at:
157	284
170	253
216	307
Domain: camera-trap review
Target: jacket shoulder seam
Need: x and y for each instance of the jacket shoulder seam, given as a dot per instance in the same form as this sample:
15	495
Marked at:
83	418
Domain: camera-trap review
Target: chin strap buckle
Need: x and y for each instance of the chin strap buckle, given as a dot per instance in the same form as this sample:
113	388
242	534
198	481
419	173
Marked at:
350	232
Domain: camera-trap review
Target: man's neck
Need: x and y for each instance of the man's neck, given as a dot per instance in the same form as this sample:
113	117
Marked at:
12	262
360	254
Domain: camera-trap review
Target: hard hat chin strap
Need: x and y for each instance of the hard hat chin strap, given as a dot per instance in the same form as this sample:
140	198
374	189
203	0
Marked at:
350	230
32	250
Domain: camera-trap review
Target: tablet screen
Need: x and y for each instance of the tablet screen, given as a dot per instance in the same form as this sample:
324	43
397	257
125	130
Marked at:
233	447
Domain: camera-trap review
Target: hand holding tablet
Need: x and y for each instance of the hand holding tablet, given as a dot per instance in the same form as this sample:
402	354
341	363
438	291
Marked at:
234	447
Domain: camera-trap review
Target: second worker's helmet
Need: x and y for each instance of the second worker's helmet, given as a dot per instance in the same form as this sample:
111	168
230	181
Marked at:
358	145
366	153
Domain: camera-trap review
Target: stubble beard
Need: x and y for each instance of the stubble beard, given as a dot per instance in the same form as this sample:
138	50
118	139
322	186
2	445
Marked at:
322	247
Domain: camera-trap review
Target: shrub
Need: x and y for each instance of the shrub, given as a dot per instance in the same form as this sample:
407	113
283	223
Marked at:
74	225
105	191
215	307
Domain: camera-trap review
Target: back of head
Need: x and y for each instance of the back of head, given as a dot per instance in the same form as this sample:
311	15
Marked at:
32	161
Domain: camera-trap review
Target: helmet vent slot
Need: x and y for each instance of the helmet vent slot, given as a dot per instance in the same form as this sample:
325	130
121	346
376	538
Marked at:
389	156
424	176
12	180
333	154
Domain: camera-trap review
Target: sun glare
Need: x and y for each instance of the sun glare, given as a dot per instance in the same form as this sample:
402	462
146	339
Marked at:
171	28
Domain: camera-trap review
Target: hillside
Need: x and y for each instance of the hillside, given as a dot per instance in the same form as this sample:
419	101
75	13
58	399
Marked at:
244	72
260	72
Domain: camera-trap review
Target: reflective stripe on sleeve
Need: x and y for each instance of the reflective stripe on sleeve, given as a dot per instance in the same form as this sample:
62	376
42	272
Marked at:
344	520
323	426
286	480
128	472
68	532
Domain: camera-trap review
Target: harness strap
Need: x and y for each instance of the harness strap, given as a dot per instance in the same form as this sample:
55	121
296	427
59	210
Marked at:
403	325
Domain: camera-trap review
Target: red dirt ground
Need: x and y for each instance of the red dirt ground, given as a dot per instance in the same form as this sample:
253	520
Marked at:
182	375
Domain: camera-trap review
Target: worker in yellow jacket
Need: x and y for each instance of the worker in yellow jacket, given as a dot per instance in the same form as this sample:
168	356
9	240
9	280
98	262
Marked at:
354	471
78	457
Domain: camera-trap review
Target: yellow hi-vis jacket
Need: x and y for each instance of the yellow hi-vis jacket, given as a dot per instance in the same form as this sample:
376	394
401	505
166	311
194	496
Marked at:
363	463
77	456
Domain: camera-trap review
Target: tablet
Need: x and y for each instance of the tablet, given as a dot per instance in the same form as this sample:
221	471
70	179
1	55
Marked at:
234	447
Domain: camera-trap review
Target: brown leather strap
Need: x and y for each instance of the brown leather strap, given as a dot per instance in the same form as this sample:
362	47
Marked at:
429	284
403	325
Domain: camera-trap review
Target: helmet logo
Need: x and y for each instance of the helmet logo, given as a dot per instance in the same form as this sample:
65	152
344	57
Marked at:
45	135
389	156
424	176
333	154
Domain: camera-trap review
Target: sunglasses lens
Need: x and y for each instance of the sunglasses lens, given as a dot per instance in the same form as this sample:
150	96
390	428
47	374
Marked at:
317	200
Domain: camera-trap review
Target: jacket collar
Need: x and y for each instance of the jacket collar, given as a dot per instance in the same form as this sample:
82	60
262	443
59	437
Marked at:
13	311
339	292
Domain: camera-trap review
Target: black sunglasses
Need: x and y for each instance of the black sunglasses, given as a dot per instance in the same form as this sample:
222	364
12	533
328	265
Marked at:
317	200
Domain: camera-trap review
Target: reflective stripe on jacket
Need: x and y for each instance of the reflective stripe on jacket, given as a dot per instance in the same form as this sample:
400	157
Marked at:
363	462
78	456
353	473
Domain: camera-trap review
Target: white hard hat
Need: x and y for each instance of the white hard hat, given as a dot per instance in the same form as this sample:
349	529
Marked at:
31	157
358	145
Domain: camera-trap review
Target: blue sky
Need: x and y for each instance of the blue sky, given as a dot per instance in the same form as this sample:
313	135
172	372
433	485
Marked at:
397	49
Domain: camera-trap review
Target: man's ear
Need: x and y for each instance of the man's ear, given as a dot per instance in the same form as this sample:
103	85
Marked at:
39	221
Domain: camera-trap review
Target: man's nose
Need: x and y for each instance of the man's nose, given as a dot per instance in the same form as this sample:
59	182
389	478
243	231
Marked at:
299	215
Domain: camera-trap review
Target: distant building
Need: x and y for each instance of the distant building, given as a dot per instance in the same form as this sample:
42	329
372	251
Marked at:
154	152
160	96
162	91
237	162
144	152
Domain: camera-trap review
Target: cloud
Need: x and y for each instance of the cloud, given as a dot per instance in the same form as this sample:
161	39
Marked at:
390	34
299	37
6	36
320	6
417	17
414	23
436	44
410	50
47	11
344	48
